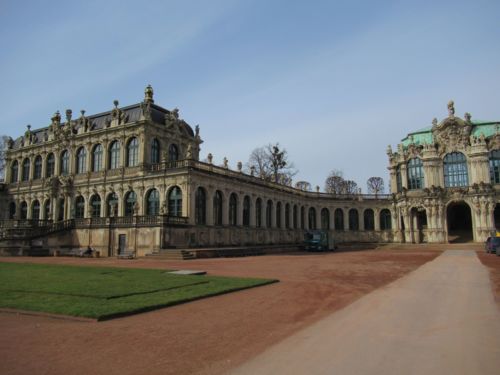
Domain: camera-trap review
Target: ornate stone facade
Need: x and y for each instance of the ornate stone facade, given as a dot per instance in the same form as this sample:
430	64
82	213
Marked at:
445	180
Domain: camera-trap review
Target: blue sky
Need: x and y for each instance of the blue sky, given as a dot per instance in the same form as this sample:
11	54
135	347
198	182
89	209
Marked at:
334	82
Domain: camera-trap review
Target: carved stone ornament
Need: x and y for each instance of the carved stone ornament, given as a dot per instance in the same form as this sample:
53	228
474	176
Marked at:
453	133
148	94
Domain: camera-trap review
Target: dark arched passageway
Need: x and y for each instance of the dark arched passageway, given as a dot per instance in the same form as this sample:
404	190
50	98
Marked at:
459	222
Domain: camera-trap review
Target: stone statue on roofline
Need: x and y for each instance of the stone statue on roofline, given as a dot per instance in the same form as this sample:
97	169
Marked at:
148	94
451	108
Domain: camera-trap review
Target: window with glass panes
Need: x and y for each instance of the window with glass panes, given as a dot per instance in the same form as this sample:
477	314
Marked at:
415	172
455	170
495	167
97	158
114	155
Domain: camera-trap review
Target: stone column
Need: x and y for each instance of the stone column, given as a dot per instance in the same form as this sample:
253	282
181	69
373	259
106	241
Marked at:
239	210
253	219
376	217
210	207
346	219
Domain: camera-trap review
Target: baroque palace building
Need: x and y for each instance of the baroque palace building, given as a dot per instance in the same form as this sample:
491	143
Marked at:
130	180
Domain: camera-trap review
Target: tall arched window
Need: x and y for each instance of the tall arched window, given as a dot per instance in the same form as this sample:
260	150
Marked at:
302	217
217	208
130	201
200	207
133	152
415	174
24	210
325	219
112	205
37	172
233	209
175	201
153	202
155	151
95	206
26	169
12	210
79	207
97	164
14	171
495	167
369	219
61	209
278	215
46	210
295	217
258	213
269	210
173	152
385	219
51	165
81	160
65	163
246	211
455	170
114	155
353	219
287	216
35	210
312	218
339	219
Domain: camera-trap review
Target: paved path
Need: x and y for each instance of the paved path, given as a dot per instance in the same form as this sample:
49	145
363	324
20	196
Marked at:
440	319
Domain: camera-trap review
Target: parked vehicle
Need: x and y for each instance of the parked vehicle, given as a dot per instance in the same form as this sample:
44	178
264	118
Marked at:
492	244
318	240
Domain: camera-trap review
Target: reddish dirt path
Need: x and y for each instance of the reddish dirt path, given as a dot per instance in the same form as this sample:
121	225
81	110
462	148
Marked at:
208	336
492	262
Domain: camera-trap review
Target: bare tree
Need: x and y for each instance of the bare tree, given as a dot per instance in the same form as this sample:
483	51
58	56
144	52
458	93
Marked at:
336	184
271	163
375	185
303	185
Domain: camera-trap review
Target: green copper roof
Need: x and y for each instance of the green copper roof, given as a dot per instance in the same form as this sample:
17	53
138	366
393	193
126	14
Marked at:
424	135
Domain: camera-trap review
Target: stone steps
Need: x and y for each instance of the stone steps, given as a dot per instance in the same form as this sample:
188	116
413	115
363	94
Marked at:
172	254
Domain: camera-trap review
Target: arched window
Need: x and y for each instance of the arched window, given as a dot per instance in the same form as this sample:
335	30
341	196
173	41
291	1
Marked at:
369	219
258	213
246	211
287	216
95	206
65	163
399	180
133	152
12	210
495	167
312	218
325	219
173	152
51	165
415	174
97	158
217	208
112	205
35	211
153	202
155	151
278	215
175	201
200	207
61	210
233	209
269	210
37	173
295	217
81	160
47	210
79	207
385	219
130	201
302	217
24	210
26	169
455	170
114	155
14	171
339	219
353	219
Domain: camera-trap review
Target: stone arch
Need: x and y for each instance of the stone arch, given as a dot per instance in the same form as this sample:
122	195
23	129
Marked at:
459	222
418	224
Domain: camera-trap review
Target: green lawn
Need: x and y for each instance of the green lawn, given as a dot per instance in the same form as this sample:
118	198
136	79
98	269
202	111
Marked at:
105	292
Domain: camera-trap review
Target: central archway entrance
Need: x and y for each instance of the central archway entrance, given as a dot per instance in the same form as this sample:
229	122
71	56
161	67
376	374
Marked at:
459	219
